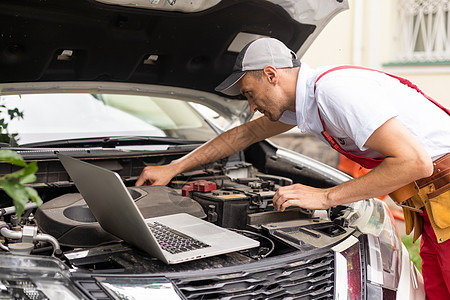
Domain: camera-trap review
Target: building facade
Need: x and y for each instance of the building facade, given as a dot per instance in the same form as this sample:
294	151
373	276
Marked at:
408	38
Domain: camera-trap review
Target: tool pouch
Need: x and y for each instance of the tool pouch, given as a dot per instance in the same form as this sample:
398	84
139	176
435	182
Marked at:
439	191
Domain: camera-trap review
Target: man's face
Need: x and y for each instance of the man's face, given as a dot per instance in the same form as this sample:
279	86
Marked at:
262	96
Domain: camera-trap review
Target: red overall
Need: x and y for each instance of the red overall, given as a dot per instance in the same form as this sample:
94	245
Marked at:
435	256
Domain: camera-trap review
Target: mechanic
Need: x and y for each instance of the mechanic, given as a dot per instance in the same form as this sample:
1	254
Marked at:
381	121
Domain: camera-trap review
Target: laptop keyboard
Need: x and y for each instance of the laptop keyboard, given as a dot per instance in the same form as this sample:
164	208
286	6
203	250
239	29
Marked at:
174	241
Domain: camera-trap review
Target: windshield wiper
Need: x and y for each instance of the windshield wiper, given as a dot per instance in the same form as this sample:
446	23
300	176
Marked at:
112	142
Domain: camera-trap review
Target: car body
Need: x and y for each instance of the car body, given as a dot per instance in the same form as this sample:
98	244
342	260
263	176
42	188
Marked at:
125	84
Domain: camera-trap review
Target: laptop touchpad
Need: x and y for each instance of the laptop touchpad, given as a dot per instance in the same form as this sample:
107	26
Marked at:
200	229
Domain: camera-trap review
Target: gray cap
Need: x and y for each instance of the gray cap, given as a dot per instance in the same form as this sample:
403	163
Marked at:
255	56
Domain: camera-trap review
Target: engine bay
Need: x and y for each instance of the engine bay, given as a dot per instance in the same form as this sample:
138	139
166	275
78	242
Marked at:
234	193
238	198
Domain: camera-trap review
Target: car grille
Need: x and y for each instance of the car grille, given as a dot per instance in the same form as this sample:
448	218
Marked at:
310	277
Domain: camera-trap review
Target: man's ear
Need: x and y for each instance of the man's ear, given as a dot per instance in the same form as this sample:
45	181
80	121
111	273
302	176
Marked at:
271	73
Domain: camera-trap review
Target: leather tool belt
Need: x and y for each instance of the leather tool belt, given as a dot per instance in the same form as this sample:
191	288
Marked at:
438	183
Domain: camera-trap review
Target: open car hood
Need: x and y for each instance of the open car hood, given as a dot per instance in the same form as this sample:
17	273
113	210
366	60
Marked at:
175	45
124	45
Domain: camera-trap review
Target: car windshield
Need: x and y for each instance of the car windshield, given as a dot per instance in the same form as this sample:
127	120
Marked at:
35	118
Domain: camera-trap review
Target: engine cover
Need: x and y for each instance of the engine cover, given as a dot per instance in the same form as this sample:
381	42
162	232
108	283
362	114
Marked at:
71	222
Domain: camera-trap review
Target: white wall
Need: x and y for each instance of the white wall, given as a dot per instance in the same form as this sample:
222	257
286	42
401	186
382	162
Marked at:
334	44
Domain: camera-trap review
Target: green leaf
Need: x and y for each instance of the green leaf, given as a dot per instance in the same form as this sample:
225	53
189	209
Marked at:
29	169
18	193
13	183
12	157
27	179
34	196
15	113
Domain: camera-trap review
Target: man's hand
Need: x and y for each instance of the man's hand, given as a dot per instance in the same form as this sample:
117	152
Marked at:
405	161
229	142
300	195
155	175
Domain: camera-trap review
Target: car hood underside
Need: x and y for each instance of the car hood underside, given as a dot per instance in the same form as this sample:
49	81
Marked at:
87	40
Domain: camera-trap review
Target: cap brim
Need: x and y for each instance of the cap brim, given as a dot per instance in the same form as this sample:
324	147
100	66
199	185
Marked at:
229	85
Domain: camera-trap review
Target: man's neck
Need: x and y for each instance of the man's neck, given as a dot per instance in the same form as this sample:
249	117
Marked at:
292	87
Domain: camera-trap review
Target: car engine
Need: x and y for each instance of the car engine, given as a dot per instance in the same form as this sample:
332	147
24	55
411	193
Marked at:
297	249
233	195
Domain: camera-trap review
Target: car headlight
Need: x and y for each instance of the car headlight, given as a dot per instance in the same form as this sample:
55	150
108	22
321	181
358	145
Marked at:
372	263
30	277
383	247
26	277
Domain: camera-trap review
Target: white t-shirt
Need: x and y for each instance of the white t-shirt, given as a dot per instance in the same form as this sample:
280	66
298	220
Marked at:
353	103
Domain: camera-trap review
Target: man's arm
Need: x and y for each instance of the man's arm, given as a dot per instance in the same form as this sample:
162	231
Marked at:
229	142
405	161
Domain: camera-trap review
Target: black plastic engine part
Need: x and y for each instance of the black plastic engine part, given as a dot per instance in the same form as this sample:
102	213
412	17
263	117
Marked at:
69	219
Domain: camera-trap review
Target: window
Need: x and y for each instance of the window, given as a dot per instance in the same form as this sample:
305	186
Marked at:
423	31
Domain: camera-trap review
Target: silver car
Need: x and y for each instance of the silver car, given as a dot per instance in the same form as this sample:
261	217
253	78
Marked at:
126	84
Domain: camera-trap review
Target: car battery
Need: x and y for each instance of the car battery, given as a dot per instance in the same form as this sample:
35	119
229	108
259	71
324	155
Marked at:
230	205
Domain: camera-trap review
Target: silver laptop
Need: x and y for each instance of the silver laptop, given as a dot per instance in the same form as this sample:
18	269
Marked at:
114	208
